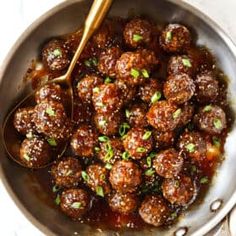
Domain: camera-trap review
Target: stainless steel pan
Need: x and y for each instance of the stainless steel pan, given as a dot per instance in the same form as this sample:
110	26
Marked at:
65	18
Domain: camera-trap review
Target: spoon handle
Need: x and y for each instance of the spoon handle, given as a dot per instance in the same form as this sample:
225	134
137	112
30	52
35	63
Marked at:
94	19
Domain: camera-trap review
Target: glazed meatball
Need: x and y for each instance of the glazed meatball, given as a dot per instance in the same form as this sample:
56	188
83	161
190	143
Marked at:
136	115
83	141
111	151
128	92
98	179
164	139
154	210
108	124
178	89
49	92
86	85
125	176
67	172
50	119
107	61
106	98
207	87
23	120
168	163
137	32
54	56
150	92
175	38
75	203
35	152
135	67
123	203
186	114
138	142
193	144
163	116
211	119
179	190
180	65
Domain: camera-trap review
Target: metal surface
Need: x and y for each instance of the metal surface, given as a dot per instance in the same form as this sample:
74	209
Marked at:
66	18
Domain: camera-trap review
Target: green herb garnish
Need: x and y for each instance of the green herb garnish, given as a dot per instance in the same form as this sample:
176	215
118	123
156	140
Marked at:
57	52
107	80
55	188
125	156
190	147
147	135
99	191
58	199
103	139
217	123
50	111
137	37
216	141
186	62
52	142
177	113
169	36
26	157
96	90
108	166
149	172
97	149
127	113
102	123
135	73
76	205
141	149
109	152
155	97
204	180
145	73
207	108
85	176
123	129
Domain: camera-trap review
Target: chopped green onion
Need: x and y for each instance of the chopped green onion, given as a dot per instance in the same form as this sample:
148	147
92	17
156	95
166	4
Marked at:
124	137
107	80
152	154
57	52
52	142
99	191
149	172
58	199
207	108
204	180
85	176
127	113
186	62
102	177
26	157
55	188
135	73
76	205
68	173
177	113
91	61
149	161
50	111
137	37
147	135
169	36
125	156
96	90
102	123
100	104
103	139
108	166
94	61
177	183
87	63
109	152
123	129
155	97
145	73
141	149
190	147
216	141
96	149
217	123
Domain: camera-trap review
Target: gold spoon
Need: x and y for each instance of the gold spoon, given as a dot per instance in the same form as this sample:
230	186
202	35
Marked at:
11	140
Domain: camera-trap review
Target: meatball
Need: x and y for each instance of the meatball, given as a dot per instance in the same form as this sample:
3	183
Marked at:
154	210
186	114
150	92
138	142
181	65
86	85
175	38
125	176
98	179
179	88
179	190
137	32
164	116
107	61
108	124
50	119
211	119
135	67
193	144
207	87
136	115
75	203
111	151
83	141
54	56
168	163
67	172
106	98
128	92
164	139
23	120
35	152
123	203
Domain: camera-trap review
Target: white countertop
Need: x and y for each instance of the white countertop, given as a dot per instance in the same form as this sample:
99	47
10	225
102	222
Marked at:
15	16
